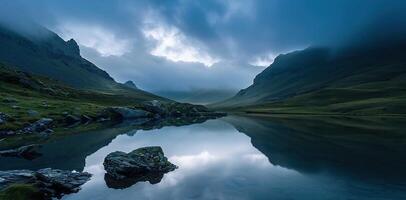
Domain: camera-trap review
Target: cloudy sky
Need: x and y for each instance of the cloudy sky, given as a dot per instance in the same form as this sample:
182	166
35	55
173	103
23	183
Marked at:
165	45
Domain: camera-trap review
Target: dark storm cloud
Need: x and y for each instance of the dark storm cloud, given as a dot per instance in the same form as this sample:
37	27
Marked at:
112	33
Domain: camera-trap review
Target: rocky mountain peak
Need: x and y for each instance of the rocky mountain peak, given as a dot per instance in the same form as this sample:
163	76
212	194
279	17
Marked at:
130	84
73	47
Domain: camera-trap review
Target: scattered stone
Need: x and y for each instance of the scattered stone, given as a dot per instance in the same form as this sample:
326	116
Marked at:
46	133
32	113
38	126
15	107
7	133
52	183
71	119
9	100
85	119
139	163
3	118
28	152
26	80
45	104
154	106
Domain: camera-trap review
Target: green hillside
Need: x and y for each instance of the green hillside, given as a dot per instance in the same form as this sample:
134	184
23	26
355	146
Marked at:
27	98
319	80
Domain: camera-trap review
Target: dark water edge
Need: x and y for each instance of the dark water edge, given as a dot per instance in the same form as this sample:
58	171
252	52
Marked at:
240	157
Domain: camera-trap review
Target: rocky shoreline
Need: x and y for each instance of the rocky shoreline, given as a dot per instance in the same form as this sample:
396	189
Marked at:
123	169
48	183
150	110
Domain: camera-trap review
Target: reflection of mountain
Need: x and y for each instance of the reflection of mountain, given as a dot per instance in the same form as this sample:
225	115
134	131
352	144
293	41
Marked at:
368	148
69	152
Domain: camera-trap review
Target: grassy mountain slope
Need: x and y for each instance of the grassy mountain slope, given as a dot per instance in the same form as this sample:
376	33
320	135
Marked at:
47	54
318	80
44	53
22	93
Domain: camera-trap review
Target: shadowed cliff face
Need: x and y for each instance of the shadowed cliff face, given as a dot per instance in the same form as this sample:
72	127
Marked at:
47	54
352	148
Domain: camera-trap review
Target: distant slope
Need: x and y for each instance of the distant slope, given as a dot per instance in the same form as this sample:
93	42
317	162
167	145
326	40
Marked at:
202	96
318	80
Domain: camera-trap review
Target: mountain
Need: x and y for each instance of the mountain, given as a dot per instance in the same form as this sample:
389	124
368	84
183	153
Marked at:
42	52
130	84
45	53
325	80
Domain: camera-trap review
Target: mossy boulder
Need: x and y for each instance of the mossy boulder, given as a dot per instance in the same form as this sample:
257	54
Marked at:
142	161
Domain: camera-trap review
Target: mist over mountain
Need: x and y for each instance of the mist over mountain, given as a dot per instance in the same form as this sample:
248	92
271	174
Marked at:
47	54
359	80
217	42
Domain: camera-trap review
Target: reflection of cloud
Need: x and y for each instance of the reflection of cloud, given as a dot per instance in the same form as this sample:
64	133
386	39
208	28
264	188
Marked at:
173	45
192	161
103	41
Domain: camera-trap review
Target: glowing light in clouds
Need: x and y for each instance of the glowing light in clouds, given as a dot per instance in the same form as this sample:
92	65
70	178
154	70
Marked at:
171	44
263	61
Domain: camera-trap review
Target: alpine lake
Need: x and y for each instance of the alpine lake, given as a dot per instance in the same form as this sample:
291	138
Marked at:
244	157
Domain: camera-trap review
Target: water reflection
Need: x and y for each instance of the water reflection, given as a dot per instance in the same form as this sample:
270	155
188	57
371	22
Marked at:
245	158
257	158
365	148
152	178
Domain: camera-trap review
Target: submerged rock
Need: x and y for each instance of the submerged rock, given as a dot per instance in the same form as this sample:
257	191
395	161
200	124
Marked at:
51	183
28	152
138	165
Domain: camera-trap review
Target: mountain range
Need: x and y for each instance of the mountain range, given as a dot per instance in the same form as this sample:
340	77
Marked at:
357	80
42	52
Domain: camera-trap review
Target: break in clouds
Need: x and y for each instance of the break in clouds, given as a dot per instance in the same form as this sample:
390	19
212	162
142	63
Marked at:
190	45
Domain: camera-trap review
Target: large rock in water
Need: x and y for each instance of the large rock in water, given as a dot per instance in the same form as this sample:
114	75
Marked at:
138	163
28	152
123	113
50	182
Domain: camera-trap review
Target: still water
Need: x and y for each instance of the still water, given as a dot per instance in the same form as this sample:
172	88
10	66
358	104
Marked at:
246	158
